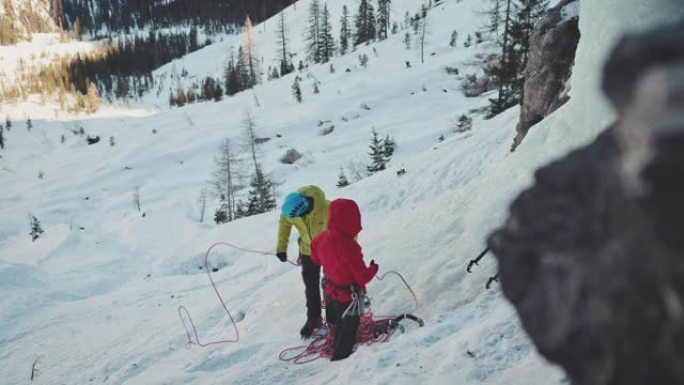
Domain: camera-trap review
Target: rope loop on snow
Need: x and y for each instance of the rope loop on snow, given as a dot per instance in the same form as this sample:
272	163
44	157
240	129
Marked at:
183	312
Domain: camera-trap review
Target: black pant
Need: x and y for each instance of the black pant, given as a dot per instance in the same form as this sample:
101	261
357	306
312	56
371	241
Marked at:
345	330
311	274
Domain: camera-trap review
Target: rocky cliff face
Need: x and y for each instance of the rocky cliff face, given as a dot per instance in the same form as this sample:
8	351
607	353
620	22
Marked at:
592	255
551	55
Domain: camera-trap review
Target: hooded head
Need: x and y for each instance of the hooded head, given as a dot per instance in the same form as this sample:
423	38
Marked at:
344	216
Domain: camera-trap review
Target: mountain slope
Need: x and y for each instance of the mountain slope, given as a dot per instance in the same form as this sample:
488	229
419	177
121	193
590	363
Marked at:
95	298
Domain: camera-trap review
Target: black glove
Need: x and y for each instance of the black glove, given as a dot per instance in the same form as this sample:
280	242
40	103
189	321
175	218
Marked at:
374	264
282	257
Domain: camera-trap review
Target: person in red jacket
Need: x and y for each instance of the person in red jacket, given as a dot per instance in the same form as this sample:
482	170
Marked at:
340	255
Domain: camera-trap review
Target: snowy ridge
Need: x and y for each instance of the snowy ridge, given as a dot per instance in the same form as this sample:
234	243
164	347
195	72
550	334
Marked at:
81	302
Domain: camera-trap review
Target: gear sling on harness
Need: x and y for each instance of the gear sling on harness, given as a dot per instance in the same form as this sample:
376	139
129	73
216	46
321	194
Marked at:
359	299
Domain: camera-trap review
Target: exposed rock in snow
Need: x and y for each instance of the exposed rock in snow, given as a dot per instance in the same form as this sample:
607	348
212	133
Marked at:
594	266
552	53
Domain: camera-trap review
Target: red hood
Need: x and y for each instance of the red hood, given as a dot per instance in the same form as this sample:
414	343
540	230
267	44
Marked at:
344	216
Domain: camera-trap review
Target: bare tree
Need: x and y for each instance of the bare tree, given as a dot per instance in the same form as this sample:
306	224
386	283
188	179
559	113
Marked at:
227	175
357	170
34	370
249	135
423	24
202	202
136	197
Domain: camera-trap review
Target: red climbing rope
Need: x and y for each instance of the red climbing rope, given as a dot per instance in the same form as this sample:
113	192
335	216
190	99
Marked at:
370	331
183	310
321	346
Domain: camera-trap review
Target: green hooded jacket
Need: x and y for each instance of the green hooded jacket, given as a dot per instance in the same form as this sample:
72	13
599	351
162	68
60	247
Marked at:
308	226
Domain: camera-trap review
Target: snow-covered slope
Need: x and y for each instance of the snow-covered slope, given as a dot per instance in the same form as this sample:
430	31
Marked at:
94	299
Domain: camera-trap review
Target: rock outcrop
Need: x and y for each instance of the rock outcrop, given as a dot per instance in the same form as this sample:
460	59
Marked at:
551	56
592	256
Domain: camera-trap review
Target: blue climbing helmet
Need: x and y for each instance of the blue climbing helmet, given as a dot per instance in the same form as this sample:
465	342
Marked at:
295	205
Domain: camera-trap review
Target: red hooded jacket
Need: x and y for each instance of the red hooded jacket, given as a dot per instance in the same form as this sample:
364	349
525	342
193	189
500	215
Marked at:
338	252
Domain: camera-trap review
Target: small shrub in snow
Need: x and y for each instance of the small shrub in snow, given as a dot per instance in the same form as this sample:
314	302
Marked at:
365	106
290	156
454	39
342	180
296	90
464	124
92	140
452	71
111	141
363	60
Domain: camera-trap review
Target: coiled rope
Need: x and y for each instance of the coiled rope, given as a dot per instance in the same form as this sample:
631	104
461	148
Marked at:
320	346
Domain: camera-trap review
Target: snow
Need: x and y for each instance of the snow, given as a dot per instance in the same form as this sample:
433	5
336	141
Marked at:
570	11
94	299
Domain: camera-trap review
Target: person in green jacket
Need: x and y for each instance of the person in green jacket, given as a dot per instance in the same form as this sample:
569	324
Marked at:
307	210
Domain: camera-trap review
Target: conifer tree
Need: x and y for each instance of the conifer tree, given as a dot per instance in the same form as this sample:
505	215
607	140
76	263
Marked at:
345	32
363	17
407	40
274	74
495	16
2	138
36	230
468	42
377	154
296	90
342	180
454	39
29	124
327	42
232	78
221	215
313	33
8	123
388	147
519	21
241	210
261	198
285	65
383	19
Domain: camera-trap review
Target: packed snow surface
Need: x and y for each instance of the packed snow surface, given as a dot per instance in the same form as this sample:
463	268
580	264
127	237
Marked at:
94	300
